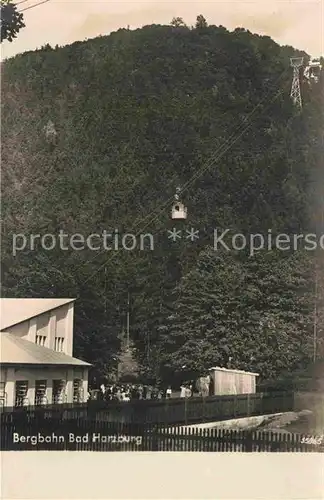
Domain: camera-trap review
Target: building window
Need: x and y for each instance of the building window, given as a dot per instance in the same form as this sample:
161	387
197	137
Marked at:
58	394
21	393
2	394
77	391
59	344
40	340
40	392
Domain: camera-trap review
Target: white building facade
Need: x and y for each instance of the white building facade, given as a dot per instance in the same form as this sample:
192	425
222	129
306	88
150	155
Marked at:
37	366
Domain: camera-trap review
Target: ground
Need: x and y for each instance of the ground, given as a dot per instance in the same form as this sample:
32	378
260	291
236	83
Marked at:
303	422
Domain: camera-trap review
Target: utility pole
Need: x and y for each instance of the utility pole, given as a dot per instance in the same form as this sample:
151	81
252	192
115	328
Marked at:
315	316
148	348
321	229
127	323
105	292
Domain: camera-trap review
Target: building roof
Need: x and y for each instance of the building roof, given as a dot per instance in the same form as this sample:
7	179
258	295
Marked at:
15	350
232	370
14	311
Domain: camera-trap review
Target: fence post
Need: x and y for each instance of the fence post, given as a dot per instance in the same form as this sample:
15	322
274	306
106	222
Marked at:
185	410
155	438
166	411
293	401
248	441
203	408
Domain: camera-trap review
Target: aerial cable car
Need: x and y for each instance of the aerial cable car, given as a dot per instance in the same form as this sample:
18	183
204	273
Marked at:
179	211
313	70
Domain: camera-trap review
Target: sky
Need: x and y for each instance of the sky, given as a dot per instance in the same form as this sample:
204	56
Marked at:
299	23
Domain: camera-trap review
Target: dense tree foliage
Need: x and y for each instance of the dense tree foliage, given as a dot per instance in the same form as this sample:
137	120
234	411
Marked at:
253	312
97	135
11	21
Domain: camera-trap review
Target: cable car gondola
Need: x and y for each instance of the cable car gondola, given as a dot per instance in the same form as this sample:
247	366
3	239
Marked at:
179	211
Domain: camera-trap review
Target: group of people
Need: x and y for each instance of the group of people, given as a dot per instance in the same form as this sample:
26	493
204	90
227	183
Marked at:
131	392
186	390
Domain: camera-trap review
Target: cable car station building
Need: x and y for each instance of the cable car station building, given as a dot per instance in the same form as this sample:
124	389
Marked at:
36	362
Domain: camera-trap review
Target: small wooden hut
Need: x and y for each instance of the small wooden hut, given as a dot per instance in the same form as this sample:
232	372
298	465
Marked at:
228	381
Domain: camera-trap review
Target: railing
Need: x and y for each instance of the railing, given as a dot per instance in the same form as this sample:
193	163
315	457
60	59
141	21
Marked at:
3	399
82	435
193	410
170	411
41	400
60	398
22	401
78	397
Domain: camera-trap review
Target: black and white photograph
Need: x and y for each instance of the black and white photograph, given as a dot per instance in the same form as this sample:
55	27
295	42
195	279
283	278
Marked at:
162	227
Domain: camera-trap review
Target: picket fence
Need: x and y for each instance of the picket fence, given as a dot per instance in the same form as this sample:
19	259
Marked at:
22	432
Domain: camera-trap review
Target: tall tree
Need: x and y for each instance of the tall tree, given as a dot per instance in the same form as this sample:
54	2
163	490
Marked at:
177	22
201	22
11	21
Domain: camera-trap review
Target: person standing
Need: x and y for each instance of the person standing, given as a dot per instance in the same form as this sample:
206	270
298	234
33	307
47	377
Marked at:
149	392
140	391
168	392
155	393
182	391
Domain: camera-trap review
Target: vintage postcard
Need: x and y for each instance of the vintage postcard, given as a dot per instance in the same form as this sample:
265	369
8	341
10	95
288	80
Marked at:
162	234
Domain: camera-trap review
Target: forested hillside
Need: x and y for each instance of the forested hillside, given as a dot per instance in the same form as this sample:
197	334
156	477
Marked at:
97	135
